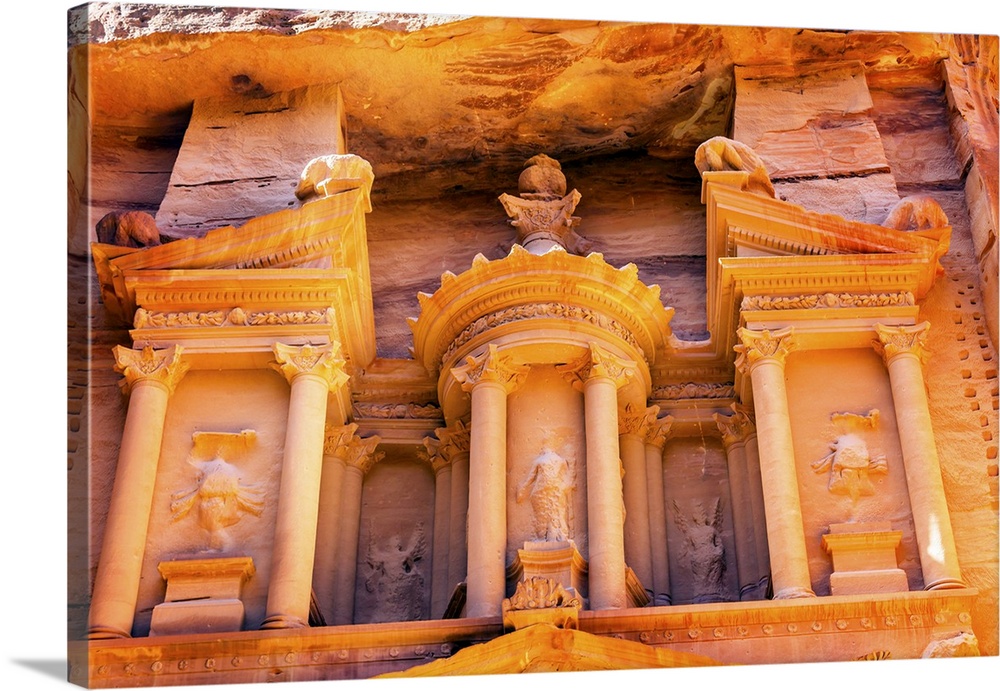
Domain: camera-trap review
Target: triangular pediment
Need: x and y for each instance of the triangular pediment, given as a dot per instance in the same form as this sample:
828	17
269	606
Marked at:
546	648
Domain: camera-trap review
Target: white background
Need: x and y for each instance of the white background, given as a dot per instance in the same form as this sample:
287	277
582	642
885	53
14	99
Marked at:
33	419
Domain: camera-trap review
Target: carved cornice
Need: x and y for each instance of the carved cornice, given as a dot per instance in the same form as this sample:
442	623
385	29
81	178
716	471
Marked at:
826	301
321	361
540	310
659	431
637	422
237	316
397	411
491	366
598	363
894	341
674	392
164	367
765	345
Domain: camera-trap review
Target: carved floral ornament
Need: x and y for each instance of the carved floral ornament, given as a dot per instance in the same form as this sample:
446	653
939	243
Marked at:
598	363
675	392
355	452
894	341
756	346
825	300
237	316
161	366
540	593
491	366
321	361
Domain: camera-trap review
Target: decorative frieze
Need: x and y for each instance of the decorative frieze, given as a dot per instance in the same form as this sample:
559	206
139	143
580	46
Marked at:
237	316
397	411
540	310
686	390
826	301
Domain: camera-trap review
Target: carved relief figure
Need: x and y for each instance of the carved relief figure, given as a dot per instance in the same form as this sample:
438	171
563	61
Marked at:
395	576
549	486
704	549
722	153
850	462
128	229
916	212
219	496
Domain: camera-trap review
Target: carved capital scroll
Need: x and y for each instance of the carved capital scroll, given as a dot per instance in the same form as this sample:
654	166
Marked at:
491	366
454	439
337	438
360	453
321	361
894	341
598	363
637	422
734	428
164	367
432	455
758	346
658	431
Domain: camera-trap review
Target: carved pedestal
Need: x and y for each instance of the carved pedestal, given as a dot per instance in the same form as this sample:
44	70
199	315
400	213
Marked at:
203	596
560	561
864	559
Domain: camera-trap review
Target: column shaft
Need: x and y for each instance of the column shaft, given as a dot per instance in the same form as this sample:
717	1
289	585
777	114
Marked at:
931	520
657	525
290	586
328	534
347	549
458	555
440	588
756	491
605	511
743	525
636	496
487	500
116	588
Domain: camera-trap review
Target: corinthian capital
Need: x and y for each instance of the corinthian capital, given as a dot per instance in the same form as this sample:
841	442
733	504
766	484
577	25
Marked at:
658	431
734	428
491	366
637	422
893	341
757	346
360	453
337	438
598	363
161	366
324	362
432	455
454	439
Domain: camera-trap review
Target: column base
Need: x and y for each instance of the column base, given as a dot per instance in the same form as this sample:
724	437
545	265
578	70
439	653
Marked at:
946	584
101	633
283	621
794	593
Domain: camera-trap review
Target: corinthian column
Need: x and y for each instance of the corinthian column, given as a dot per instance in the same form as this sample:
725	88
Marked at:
599	374
359	457
312	372
655	439
734	430
455	445
632	428
490	378
903	348
328	529
150	379
762	354
442	518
